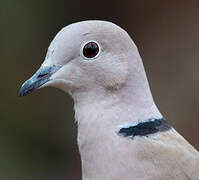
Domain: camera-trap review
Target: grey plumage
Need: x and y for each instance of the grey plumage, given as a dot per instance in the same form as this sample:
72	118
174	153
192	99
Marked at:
108	84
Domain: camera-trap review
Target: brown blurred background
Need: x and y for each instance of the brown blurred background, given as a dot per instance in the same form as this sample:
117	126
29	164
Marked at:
37	132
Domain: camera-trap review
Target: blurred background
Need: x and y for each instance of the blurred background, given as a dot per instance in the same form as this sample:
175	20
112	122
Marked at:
37	132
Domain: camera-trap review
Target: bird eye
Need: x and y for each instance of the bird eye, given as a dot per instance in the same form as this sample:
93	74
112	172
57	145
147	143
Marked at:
90	50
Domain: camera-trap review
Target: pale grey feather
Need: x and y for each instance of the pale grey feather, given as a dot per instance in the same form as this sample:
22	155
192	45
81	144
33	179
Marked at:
111	90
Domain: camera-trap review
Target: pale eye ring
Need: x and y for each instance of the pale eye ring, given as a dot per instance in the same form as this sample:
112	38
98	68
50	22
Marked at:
90	50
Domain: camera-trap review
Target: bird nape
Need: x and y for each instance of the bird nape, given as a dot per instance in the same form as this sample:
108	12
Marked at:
98	64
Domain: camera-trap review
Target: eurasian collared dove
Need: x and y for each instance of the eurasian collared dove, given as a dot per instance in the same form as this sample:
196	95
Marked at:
121	133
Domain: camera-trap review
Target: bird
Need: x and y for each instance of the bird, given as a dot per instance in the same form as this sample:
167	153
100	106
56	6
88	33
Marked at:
121	133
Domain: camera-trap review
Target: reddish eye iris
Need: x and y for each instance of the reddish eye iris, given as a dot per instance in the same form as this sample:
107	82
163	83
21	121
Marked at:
90	50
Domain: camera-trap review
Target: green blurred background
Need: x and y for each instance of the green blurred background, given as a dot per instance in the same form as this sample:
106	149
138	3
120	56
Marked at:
37	132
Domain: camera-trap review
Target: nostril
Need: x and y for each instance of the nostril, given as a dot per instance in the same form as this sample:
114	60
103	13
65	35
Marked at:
42	75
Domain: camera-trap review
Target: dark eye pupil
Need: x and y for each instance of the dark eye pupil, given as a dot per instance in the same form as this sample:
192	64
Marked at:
90	50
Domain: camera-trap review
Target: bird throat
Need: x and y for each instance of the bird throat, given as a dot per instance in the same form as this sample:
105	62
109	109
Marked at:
151	126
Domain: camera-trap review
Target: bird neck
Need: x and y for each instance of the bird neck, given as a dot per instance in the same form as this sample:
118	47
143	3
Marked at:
100	115
97	108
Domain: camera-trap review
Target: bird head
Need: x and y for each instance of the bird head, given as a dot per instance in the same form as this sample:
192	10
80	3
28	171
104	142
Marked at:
85	56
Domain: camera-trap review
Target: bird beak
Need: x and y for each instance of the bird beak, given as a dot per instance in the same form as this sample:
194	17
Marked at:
42	76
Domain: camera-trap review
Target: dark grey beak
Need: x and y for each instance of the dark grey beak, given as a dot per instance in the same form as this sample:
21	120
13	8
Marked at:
38	79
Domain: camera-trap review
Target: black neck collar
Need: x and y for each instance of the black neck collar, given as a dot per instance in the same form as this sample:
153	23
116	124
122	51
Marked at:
151	126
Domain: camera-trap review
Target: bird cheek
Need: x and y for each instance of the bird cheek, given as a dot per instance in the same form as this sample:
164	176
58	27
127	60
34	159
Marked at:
69	77
60	79
59	84
113	77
